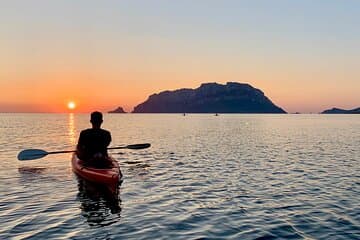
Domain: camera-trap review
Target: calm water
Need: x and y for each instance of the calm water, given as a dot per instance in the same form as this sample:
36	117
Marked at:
205	177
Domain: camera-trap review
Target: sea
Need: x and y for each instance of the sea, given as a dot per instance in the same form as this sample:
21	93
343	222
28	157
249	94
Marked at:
231	176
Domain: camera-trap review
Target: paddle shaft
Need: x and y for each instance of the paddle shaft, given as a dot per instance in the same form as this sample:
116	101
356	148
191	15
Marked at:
134	146
71	151
31	154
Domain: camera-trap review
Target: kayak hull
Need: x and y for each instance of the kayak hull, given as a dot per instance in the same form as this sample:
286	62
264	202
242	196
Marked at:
109	177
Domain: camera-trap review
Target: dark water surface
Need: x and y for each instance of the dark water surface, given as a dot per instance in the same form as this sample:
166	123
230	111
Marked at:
205	177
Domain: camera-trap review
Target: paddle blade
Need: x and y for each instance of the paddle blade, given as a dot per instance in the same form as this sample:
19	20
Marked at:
138	146
30	154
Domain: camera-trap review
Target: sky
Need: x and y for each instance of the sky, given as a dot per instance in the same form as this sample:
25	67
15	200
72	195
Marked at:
304	55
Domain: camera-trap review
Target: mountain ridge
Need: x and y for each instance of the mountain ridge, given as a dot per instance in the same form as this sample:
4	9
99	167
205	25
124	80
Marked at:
232	97
341	111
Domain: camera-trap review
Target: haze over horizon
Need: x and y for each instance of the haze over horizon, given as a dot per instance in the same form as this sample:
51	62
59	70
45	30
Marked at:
103	54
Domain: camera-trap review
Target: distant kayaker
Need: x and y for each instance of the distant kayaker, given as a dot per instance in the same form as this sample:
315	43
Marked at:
93	143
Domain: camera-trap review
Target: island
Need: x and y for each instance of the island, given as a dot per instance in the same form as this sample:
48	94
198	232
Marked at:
118	110
342	111
232	97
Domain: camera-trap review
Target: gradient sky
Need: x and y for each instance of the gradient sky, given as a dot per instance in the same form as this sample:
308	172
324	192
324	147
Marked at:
305	55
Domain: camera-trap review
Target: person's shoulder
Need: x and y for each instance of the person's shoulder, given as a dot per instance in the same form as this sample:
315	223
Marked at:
86	131
105	131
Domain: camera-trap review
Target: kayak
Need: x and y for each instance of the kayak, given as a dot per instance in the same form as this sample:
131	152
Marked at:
110	177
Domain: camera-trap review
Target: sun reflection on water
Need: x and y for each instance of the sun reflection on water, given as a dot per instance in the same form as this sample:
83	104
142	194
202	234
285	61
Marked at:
72	129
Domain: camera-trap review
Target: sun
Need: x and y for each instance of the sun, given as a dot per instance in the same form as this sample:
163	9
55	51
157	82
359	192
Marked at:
71	105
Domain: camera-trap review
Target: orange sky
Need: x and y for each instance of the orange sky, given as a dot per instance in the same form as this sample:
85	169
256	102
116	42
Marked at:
105	55
48	86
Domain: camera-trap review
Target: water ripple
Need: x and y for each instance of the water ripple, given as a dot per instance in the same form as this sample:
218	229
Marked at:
229	177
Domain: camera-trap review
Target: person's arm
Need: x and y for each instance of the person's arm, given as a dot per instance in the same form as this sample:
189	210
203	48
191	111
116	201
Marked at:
109	140
80	146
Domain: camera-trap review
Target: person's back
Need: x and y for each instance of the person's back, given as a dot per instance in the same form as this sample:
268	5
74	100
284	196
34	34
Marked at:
93	143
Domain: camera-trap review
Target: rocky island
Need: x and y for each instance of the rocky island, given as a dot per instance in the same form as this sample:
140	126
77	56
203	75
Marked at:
342	111
232	97
118	110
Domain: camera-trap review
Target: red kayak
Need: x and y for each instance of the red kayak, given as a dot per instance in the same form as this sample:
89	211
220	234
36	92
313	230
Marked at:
109	177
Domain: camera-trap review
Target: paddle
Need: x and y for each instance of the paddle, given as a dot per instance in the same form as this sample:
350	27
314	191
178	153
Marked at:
31	154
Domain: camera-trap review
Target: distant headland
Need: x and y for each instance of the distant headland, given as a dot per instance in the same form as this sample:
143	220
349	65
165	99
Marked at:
118	110
232	97
342	111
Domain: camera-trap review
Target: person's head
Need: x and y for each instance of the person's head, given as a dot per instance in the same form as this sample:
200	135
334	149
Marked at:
96	119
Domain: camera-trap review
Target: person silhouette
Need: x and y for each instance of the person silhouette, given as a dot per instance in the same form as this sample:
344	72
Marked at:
93	142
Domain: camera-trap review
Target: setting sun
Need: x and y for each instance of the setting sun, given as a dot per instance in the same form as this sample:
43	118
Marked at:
71	105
